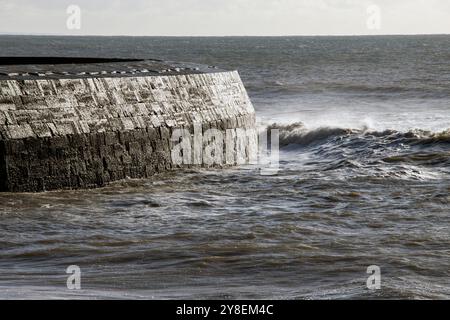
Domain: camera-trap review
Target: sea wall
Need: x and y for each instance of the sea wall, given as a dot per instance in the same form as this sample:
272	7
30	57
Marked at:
84	133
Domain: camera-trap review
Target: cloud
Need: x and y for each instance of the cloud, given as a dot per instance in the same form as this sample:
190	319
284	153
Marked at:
225	17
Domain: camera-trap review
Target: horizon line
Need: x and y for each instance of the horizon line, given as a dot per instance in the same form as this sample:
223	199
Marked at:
220	36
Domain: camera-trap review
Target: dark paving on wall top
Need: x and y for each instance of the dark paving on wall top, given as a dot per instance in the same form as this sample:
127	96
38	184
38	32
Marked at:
23	68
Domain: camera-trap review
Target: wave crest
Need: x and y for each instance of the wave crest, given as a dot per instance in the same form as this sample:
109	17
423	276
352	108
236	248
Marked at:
298	134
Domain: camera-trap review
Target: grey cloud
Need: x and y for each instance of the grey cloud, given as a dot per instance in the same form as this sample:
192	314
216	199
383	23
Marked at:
224	17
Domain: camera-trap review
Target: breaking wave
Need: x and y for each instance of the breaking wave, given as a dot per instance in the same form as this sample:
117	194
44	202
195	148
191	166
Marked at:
298	134
389	153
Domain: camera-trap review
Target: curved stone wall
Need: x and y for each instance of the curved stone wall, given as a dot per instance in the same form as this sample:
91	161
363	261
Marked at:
85	132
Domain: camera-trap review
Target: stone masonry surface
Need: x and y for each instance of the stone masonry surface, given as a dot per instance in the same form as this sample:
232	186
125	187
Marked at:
69	132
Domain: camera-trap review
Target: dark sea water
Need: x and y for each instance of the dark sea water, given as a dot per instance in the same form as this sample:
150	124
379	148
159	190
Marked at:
364	180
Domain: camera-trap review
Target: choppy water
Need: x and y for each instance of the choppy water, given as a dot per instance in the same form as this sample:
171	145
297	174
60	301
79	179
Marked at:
364	180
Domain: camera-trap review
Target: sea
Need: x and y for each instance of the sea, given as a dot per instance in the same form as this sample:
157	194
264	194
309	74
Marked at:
360	208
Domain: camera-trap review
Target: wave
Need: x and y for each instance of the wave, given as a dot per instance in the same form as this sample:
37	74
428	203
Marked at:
388	153
298	134
432	158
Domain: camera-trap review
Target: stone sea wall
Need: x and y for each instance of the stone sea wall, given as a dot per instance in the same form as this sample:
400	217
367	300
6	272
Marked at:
84	133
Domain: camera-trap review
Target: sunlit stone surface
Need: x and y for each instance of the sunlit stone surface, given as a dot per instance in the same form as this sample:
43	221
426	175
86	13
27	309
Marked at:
84	124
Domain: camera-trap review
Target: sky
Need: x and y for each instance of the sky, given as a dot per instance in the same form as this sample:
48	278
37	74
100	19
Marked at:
224	17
